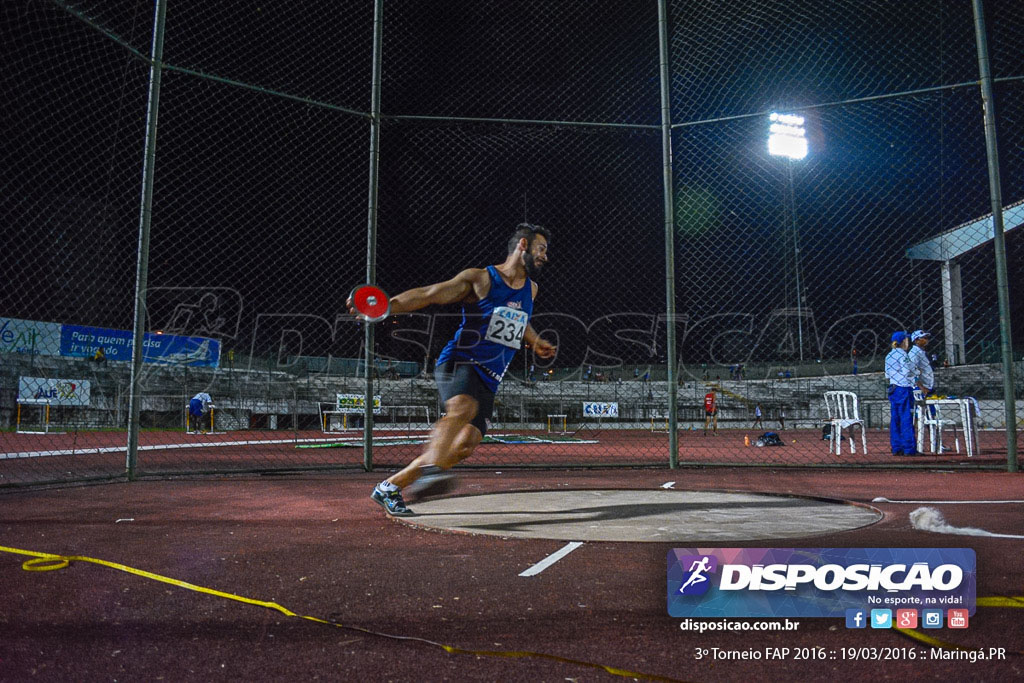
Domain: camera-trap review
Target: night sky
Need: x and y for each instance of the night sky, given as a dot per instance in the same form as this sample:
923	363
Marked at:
259	216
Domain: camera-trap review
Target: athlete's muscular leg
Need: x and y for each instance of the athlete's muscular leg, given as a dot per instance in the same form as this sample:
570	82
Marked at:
466	442
460	410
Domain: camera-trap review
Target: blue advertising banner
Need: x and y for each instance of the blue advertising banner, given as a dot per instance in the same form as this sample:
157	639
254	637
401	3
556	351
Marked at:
78	341
818	582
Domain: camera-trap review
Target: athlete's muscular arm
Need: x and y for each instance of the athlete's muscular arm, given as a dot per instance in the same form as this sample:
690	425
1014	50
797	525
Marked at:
469	285
541	347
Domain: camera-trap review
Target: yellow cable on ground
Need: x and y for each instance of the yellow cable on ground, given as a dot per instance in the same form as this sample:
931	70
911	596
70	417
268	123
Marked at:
928	640
991	601
50	562
935	642
1000	601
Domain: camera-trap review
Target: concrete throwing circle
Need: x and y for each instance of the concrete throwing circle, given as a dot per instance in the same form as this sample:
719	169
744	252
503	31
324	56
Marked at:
643	516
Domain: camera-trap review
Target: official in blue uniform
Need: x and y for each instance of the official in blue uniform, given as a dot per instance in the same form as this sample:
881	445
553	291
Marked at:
497	302
198	408
919	361
900	373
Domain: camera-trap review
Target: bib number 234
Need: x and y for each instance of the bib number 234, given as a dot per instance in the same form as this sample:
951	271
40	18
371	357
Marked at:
507	326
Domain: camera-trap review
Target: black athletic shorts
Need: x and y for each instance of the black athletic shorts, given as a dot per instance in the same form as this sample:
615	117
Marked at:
454	378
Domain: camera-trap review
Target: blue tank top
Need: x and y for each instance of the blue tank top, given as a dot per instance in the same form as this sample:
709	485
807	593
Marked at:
492	330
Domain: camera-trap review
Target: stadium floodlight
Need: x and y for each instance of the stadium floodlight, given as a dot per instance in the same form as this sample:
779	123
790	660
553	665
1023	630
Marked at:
787	136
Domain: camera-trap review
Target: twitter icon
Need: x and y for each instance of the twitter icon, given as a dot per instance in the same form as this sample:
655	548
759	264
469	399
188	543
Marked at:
881	618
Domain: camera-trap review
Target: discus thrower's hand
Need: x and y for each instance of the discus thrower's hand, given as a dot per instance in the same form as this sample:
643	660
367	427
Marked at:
544	349
351	309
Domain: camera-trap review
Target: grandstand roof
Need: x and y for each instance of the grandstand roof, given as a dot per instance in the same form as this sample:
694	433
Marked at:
966	236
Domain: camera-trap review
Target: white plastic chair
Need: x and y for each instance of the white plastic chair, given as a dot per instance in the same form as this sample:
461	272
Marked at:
935	424
843	413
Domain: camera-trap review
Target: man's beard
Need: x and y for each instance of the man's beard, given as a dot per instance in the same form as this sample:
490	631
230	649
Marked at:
531	265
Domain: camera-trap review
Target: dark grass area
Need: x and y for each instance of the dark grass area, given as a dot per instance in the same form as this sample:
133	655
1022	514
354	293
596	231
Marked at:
316	545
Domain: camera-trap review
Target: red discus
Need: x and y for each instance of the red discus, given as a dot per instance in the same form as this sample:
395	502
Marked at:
371	302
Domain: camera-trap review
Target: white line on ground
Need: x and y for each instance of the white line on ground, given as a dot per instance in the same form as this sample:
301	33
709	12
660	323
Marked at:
668	484
207	444
551	559
161	447
944	502
930	519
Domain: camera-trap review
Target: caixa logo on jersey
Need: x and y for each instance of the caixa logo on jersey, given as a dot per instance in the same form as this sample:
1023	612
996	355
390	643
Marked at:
816	582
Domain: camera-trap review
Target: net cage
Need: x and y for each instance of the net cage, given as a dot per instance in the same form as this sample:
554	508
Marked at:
705	257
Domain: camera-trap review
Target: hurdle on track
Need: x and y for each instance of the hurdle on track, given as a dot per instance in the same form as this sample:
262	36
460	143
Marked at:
44	427
188	416
659	424
556	420
407	418
333	421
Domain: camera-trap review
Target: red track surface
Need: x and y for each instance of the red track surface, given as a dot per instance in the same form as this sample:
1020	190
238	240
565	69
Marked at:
82	454
316	545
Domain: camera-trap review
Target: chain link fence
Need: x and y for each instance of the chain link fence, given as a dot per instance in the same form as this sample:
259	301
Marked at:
803	267
790	274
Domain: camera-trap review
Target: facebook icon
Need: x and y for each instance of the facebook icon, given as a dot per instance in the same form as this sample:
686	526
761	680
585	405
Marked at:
856	618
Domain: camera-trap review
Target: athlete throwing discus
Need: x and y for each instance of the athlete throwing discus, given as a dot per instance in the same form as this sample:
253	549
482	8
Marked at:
497	302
